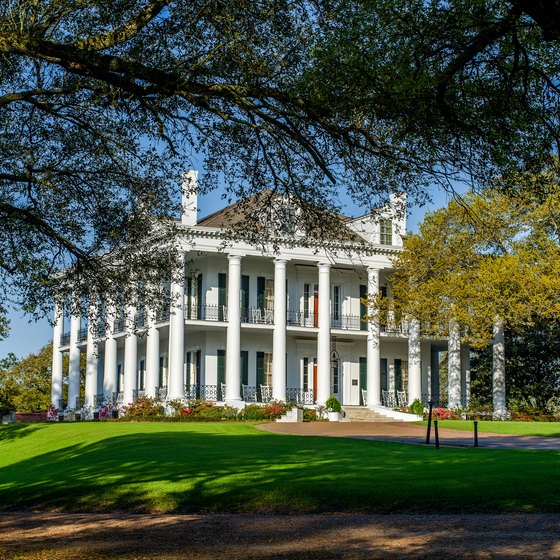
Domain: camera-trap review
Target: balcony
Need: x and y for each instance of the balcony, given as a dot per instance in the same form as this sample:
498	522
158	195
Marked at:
65	339
257	316
195	312
82	335
347	322
301	319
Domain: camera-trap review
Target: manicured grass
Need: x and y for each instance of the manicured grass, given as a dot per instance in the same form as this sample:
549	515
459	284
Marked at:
549	429
234	467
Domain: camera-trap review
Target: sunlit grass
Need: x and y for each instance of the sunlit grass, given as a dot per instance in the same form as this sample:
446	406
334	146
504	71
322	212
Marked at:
236	468
550	429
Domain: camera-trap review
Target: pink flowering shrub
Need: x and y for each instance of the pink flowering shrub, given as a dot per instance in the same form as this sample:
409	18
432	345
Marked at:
444	414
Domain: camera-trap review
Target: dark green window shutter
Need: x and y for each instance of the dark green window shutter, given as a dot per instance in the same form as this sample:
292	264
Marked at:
260	368
222	280
244	367
363	309
363	378
384	374
189	362
261	281
244	298
198	360
189	298
199	297
398	374
221	372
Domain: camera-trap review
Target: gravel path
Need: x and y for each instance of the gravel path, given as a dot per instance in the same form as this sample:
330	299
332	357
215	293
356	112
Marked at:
42	536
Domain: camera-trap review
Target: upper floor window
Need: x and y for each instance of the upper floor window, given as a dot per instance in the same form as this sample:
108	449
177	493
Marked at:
386	231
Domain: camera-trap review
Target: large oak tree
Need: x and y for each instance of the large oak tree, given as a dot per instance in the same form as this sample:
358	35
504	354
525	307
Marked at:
103	104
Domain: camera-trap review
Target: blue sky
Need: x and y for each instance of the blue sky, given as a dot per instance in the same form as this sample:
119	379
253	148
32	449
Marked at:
28	337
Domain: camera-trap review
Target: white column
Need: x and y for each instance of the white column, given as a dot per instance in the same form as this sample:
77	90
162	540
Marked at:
176	388
152	354
233	341
56	371
91	363
74	367
130	356
466	372
110	360
324	336
279	335
414	362
499	371
454	366
373	344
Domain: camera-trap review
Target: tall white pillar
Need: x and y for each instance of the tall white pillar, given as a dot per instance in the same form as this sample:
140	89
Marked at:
130	356
466	372
176	388
74	367
414	362
152	354
110	359
279	335
324	336
454	366
499	371
56	371
233	340
91	356
373	344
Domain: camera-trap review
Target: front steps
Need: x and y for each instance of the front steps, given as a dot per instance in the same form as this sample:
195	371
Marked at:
364	414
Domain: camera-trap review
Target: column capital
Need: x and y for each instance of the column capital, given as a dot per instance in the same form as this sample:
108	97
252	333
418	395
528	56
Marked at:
373	269
280	262
234	257
325	266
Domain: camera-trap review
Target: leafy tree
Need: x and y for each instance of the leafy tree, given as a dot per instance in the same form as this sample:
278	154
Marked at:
25	385
532	363
104	103
8	388
489	260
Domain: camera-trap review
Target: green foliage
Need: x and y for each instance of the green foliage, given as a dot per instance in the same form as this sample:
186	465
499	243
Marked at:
197	410
269	411
416	407
310	415
333	404
144	407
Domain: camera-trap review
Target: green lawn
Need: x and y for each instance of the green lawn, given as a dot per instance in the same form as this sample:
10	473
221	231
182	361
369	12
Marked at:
234	467
549	429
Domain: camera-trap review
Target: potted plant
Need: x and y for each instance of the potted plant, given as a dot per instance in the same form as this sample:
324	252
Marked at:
334	409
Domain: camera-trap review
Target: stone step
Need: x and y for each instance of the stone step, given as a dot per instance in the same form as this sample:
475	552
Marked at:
363	414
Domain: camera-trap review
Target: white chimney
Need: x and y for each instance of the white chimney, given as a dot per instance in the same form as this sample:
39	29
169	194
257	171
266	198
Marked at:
190	198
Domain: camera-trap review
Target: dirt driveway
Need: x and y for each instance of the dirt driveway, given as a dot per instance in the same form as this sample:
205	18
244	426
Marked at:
39	536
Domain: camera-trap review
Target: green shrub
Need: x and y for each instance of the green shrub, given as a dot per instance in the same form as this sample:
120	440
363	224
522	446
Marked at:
204	410
333	404
270	411
310	415
144	407
416	407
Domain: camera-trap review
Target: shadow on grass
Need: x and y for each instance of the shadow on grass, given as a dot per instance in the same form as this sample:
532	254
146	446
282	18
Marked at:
17	431
241	471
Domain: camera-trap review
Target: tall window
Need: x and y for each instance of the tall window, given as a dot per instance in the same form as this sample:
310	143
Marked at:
336	303
335	366
305	376
268	368
142	376
386	231
306	301
269	294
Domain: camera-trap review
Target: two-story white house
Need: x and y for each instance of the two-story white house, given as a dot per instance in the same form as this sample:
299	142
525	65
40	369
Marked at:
255	324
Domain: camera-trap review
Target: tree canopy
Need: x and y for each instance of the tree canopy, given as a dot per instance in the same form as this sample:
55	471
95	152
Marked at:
490	256
104	104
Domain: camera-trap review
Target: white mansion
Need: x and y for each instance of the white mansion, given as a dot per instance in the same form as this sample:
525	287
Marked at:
253	325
